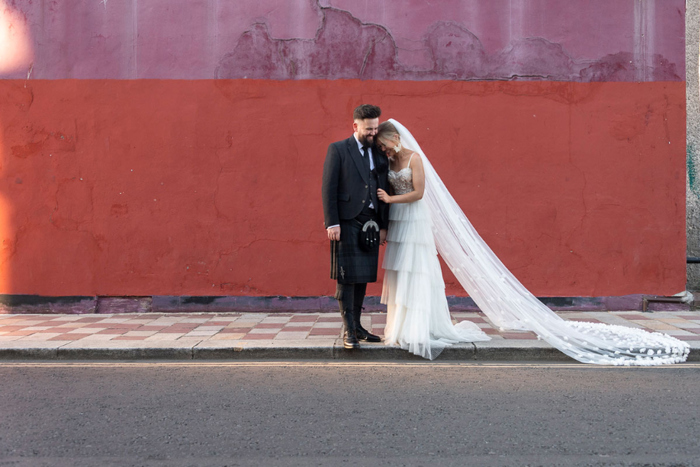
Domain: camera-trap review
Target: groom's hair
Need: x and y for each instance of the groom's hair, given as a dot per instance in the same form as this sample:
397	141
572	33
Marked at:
366	111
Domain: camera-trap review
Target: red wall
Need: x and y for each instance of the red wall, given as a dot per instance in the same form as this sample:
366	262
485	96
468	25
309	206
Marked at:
212	187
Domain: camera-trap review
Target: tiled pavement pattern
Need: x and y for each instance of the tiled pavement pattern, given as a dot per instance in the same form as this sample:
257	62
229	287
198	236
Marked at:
313	329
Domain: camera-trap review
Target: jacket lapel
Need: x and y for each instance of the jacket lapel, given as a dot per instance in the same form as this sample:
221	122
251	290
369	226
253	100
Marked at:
356	157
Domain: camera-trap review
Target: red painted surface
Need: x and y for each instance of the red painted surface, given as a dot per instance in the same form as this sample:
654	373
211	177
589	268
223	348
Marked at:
213	187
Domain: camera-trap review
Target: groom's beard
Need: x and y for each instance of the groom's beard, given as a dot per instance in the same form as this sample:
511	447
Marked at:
367	140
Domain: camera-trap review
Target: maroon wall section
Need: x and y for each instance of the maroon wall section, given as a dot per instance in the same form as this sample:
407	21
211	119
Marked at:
212	187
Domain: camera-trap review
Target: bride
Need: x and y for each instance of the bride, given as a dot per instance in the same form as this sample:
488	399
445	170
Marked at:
424	220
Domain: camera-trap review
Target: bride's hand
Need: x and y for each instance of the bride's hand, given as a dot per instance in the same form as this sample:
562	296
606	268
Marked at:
383	196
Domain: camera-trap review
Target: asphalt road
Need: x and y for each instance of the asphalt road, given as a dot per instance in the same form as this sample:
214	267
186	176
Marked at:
264	413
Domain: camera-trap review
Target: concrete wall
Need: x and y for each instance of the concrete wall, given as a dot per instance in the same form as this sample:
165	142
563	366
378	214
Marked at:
175	147
692	24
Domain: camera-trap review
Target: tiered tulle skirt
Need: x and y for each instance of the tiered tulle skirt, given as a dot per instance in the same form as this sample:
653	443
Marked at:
418	318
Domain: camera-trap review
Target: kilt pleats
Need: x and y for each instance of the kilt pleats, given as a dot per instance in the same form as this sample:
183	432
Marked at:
349	263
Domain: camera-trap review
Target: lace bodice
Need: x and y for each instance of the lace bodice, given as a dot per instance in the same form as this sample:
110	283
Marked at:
402	181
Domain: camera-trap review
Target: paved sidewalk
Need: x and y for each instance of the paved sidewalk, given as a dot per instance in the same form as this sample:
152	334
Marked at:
280	336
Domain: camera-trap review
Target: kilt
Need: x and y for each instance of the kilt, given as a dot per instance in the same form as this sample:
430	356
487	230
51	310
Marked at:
349	263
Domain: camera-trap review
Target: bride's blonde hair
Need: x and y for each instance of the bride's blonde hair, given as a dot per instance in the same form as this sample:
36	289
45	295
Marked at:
386	131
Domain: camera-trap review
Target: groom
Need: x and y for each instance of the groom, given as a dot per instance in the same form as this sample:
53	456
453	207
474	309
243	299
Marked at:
353	171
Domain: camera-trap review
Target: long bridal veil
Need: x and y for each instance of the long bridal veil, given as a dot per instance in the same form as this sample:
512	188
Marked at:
509	305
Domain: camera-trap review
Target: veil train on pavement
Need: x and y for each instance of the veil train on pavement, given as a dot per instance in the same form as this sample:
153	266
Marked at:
509	305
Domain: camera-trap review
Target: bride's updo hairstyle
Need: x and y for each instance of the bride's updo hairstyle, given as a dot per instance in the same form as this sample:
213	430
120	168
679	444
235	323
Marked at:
386	132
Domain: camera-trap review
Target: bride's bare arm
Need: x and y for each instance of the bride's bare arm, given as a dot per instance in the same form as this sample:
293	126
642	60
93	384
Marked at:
418	186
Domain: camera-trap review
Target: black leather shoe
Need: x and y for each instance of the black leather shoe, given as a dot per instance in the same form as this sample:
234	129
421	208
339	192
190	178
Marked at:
349	334
364	335
350	340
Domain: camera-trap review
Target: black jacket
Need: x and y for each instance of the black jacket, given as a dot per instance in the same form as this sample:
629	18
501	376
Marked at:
345	183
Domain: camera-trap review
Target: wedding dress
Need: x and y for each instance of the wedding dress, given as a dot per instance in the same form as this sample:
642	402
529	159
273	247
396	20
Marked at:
417	315
418	318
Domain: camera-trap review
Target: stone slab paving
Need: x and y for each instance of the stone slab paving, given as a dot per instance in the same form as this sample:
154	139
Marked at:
280	335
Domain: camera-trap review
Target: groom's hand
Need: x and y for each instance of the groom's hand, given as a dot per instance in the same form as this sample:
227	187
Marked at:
334	233
382	236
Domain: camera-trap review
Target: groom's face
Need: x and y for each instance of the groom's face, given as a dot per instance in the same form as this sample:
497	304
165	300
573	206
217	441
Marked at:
365	130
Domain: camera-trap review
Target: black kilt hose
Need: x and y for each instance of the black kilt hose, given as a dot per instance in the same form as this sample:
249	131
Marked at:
349	263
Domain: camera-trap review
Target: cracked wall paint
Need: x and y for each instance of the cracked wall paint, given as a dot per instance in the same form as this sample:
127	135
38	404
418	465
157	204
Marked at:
593	40
345	48
588	30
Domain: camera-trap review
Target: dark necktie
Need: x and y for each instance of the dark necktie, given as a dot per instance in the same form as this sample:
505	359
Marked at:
368	171
365	158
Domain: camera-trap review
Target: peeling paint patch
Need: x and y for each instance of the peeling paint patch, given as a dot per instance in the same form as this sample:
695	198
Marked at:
533	58
334	39
347	48
456	51
42	142
623	67
342	48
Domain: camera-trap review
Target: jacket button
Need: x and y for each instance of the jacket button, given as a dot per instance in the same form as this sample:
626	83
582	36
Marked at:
366	186
363	201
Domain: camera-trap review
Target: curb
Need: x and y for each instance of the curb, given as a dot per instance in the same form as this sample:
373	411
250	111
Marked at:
470	352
